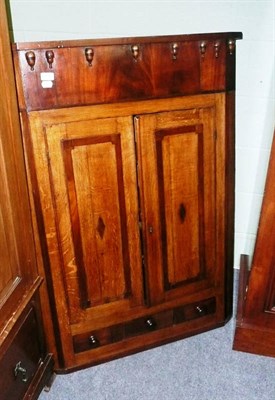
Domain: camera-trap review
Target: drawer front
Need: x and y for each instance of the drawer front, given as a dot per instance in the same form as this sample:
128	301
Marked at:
194	310
144	325
21	359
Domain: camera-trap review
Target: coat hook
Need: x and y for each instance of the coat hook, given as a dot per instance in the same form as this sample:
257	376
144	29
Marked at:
30	57
89	54
174	50
50	57
135	51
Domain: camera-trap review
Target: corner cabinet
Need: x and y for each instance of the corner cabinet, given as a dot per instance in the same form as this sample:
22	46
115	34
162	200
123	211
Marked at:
130	151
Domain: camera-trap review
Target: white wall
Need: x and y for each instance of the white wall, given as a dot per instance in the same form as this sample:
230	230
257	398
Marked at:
68	19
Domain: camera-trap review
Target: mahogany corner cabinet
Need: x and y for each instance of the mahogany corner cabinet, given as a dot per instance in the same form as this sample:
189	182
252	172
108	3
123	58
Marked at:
129	147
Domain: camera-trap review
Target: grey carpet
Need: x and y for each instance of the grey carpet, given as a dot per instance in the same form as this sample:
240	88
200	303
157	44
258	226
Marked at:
203	367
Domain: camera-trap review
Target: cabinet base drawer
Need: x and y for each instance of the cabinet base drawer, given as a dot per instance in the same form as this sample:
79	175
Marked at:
144	325
23	360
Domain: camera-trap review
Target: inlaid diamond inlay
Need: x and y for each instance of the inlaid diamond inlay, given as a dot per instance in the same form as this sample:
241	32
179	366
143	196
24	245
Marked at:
100	227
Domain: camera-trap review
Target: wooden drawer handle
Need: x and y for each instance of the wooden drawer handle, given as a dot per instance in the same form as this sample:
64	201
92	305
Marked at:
21	372
174	50
89	54
50	57
30	57
135	51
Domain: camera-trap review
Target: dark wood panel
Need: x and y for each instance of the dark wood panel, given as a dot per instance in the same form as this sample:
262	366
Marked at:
174	74
213	65
124	70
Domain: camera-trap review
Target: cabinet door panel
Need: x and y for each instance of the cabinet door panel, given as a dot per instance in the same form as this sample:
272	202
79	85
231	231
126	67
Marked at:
177	174
181	200
10	270
95	183
92	175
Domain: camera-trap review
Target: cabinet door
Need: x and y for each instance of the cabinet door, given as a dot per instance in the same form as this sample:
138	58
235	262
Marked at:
182	186
87	180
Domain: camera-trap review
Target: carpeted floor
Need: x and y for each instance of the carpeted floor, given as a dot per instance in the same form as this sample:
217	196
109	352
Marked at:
202	367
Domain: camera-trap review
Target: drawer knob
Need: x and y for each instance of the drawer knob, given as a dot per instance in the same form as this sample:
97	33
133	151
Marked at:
94	342
21	372
201	310
151	324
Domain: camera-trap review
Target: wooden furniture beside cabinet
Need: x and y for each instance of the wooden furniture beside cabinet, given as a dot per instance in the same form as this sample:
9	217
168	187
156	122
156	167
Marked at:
24	363
129	145
255	327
